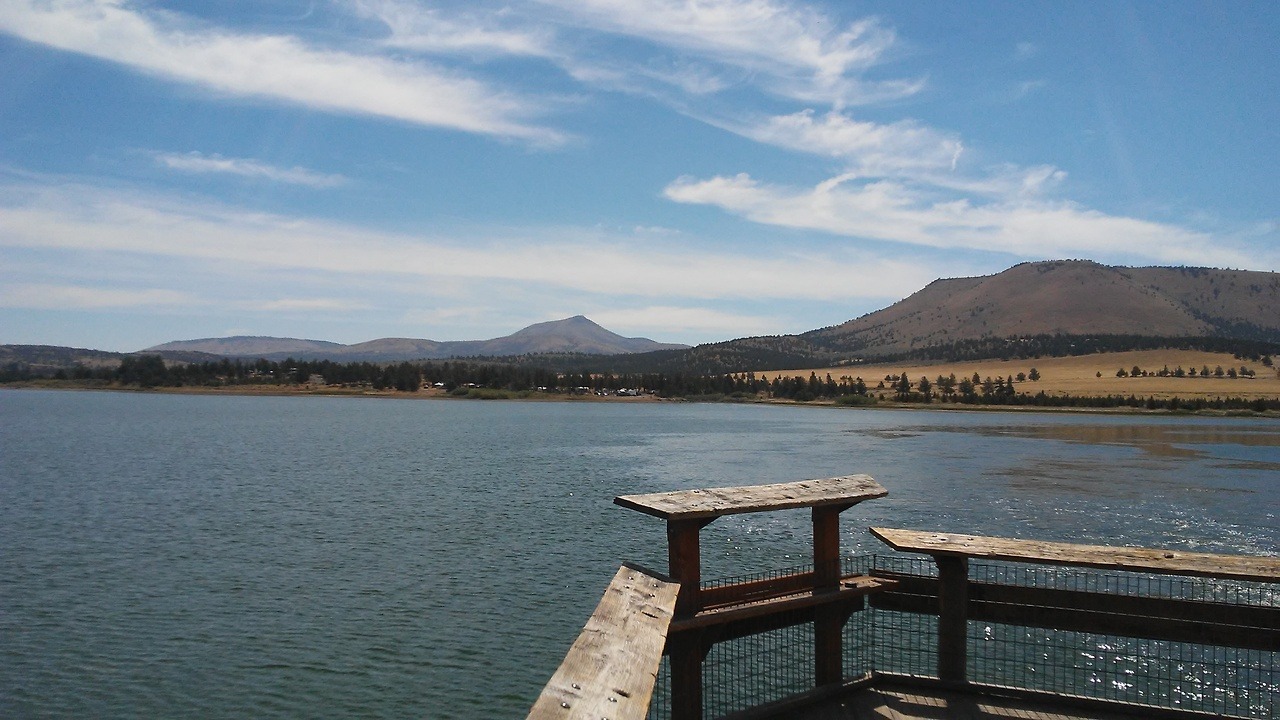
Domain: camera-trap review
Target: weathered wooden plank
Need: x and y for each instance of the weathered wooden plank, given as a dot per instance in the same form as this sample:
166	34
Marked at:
1149	560
612	666
850	589
715	502
755	590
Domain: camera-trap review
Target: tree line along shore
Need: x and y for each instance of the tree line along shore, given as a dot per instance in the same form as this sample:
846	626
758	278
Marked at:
1016	387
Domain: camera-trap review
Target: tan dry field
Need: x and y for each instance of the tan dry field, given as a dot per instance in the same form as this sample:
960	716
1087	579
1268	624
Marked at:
1079	375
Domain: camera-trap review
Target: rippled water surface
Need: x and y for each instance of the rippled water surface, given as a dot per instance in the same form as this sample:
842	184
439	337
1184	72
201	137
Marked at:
227	557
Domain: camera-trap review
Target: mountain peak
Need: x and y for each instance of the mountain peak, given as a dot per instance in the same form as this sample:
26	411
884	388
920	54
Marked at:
577	334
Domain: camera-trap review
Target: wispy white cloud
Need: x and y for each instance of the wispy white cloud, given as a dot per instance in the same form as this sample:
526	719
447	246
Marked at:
904	158
906	150
77	219
275	67
694	48
306	304
48	296
416	27
891	211
867	148
790	51
194	162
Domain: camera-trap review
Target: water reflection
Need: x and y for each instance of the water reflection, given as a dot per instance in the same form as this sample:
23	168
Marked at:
1156	439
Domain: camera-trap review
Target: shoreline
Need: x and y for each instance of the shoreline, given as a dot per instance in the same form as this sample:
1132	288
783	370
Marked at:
535	396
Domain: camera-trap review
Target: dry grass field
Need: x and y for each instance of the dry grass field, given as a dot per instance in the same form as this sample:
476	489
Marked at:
1079	375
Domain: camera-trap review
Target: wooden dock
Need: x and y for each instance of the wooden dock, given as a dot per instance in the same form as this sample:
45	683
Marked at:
610	671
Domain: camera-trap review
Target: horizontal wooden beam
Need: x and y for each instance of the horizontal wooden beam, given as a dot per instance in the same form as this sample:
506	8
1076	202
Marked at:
611	668
1149	560
755	590
851	589
1189	621
716	502
1261	616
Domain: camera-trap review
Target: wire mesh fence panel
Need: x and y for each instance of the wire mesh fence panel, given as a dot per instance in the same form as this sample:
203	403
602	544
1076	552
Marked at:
859	645
857	564
758	669
1221	680
1225	681
902	642
773	574
754	670
905	643
1132	584
660	703
906	564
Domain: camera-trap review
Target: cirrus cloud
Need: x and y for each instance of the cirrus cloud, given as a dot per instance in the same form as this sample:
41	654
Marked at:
275	67
51	296
195	162
891	211
789	51
76	219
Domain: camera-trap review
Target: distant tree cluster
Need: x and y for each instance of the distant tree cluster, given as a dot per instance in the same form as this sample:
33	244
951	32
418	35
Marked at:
1035	346
1203	372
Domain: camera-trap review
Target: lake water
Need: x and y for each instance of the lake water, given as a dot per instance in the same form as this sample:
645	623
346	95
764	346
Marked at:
229	557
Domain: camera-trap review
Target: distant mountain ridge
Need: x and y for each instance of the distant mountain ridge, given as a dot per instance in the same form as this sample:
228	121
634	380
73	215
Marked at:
1051	307
1069	297
570	335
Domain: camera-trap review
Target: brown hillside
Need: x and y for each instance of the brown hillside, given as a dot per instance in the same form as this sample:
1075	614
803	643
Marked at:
1082	375
1237	296
1070	297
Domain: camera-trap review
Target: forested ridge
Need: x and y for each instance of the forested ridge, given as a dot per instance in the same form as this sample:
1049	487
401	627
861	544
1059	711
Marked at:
487	380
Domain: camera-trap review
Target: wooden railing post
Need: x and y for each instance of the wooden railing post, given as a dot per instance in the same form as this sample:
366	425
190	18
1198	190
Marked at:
826	546
684	562
828	621
953	616
686	653
684	558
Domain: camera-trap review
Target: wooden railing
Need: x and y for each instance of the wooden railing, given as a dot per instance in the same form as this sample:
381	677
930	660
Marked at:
610	671
956	600
706	617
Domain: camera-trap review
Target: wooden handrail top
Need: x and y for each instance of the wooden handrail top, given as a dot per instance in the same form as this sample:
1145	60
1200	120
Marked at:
612	667
1150	560
714	502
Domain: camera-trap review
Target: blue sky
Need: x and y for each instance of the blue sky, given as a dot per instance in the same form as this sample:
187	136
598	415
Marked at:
686	171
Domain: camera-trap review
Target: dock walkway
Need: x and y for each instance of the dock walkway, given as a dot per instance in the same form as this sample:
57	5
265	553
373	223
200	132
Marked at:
887	701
